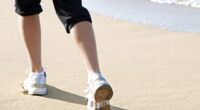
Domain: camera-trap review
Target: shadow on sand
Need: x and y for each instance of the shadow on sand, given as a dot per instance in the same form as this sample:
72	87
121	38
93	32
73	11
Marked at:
55	93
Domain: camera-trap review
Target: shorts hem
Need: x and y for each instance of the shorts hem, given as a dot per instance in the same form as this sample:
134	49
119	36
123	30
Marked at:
28	13
72	23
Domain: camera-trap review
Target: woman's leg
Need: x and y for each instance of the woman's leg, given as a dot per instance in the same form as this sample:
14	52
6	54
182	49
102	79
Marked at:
83	36
31	32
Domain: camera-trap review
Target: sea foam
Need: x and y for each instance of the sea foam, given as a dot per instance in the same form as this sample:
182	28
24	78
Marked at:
192	3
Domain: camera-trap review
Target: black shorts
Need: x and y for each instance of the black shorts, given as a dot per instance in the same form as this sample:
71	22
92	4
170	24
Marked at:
69	12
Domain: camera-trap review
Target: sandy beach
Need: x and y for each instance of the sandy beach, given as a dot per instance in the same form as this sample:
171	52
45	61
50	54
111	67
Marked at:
148	68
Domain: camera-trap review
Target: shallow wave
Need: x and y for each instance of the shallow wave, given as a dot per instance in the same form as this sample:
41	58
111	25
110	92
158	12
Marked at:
171	17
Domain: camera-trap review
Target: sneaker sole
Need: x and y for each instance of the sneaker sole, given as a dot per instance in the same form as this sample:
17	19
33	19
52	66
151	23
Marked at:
35	91
103	93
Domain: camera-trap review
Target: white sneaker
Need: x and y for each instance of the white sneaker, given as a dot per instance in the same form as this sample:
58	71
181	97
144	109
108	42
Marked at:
99	92
35	84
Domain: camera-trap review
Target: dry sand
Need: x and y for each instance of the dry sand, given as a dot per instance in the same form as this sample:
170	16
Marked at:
149	68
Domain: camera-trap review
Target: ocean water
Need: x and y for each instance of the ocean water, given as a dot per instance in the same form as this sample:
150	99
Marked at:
172	17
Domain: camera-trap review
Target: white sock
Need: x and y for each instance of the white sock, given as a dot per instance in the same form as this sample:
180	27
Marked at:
91	75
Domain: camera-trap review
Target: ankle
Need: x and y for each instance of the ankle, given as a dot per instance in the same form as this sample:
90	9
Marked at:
36	69
94	71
